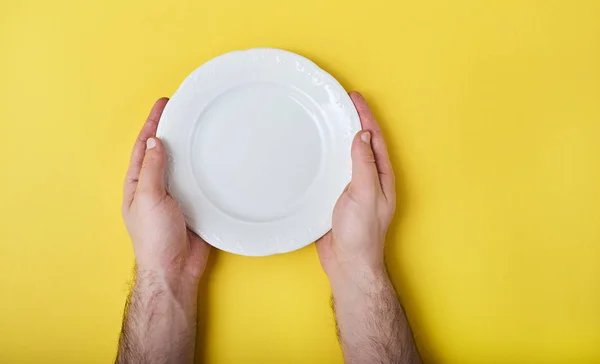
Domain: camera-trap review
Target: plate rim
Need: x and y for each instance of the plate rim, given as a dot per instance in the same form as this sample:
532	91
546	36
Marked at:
353	121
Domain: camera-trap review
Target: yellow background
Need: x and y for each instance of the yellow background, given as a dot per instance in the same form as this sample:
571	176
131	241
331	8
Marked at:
492	113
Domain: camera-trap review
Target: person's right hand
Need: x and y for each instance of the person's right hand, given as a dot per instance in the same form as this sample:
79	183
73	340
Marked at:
371	323
355	244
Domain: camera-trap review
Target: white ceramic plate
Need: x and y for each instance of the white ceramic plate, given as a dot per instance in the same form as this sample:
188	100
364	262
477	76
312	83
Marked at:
259	150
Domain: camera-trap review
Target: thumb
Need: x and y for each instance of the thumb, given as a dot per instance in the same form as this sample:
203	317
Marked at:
151	179
364	169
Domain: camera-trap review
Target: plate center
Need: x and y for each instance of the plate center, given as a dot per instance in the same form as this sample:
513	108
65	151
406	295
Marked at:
256	150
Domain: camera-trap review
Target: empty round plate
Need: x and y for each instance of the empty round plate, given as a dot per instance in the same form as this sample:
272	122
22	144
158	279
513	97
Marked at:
259	150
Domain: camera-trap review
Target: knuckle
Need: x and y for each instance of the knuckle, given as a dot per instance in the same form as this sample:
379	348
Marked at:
368	157
146	193
148	198
151	160
361	194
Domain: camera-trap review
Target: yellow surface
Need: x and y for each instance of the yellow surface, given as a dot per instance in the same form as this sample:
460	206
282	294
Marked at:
492	113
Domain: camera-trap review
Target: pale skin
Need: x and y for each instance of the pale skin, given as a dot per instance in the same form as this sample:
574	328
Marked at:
159	325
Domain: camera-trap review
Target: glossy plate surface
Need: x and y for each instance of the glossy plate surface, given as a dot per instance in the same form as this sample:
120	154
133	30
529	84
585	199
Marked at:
259	150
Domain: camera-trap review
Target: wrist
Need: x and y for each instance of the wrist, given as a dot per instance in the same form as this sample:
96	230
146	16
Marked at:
358	278
177	272
160	287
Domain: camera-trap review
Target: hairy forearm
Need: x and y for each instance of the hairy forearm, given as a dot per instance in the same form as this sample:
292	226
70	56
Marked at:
371	322
159	324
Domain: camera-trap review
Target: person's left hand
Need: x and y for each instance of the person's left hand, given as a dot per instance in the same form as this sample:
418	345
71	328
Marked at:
162	243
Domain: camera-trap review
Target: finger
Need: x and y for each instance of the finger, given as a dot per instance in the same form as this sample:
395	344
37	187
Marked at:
364	169
324	240
152	175
139	150
323	246
200	250
195	239
382	158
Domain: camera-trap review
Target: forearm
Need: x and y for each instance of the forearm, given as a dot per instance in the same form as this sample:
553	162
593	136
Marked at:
159	325
371	322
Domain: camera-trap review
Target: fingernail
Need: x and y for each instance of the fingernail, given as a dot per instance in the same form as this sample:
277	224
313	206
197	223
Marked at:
150	143
366	137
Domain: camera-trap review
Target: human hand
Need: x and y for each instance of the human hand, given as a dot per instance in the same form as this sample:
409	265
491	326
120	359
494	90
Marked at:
372	326
160	314
163	246
362	214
